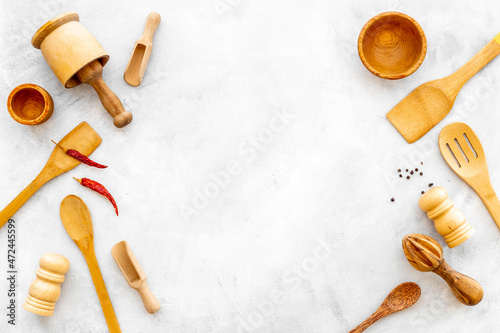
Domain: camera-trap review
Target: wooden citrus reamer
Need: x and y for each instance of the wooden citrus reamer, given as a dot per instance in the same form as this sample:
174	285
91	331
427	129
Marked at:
76	219
75	56
426	255
429	103
82	138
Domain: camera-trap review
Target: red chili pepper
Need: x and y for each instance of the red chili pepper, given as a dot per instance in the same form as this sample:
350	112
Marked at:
80	157
99	188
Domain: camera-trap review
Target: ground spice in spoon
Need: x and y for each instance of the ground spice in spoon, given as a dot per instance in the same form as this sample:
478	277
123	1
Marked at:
99	188
80	157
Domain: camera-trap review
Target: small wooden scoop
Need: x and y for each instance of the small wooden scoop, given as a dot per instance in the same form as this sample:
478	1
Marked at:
142	51
400	298
463	152
76	219
428	104
134	275
82	138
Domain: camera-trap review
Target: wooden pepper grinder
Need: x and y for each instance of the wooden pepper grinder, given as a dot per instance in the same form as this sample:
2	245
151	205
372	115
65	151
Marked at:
448	220
426	255
75	56
46	288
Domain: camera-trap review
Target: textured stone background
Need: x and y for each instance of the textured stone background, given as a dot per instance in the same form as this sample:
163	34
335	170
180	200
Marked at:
254	183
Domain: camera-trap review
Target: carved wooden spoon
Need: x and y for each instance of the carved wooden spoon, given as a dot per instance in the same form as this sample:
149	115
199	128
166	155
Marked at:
400	298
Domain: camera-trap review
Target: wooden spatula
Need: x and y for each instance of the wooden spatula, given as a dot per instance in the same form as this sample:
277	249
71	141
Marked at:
428	104
134	275
82	138
142	51
76	219
464	154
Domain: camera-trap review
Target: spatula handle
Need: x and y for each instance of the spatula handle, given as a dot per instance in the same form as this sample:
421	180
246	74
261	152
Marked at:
12	208
492	203
151	303
474	65
100	287
152	23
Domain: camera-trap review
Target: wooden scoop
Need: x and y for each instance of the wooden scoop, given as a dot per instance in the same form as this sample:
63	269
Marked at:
134	275
76	219
82	138
428	104
400	298
463	152
142	51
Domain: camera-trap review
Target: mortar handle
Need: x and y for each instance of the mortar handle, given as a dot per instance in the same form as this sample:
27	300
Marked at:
92	74
152	23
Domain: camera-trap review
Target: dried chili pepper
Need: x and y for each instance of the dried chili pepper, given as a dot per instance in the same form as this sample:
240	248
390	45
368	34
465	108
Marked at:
99	188
80	157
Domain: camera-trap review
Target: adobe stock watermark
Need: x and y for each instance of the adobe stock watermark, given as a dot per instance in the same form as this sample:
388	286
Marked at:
248	151
291	280
223	6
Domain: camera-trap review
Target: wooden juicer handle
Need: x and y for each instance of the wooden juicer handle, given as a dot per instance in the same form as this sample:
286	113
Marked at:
92	74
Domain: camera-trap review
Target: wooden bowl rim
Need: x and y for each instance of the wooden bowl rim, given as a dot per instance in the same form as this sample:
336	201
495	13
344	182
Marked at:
47	109
407	72
52	25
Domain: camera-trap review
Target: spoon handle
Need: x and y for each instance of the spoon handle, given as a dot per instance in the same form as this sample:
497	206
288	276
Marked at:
380	313
100	287
474	65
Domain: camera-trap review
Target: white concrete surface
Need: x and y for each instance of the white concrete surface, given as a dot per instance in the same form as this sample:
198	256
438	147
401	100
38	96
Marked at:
254	183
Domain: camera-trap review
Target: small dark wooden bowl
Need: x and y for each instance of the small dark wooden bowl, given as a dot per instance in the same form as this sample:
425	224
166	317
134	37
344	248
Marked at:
392	45
29	104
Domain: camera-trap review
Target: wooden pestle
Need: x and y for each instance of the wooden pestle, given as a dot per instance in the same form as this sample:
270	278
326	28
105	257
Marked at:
92	74
448	220
45	290
426	255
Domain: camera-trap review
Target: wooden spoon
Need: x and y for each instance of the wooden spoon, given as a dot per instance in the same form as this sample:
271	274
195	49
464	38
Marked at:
400	298
142	51
462	151
76	219
134	275
82	138
428	104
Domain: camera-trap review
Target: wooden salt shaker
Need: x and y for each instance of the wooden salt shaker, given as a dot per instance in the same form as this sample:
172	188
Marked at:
75	56
448	220
426	255
44	291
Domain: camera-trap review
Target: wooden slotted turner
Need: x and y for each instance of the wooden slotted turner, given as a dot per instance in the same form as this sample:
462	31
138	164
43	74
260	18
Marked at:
464	154
82	138
429	103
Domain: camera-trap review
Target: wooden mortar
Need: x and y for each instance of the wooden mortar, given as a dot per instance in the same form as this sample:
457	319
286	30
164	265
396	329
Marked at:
75	56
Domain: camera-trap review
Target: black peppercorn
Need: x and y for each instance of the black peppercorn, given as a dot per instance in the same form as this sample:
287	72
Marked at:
411	172
399	170
423	192
392	199
416	169
407	177
430	184
406	170
421	173
400	175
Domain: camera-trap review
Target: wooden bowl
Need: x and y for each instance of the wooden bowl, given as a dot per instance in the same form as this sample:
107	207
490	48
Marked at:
29	104
392	45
